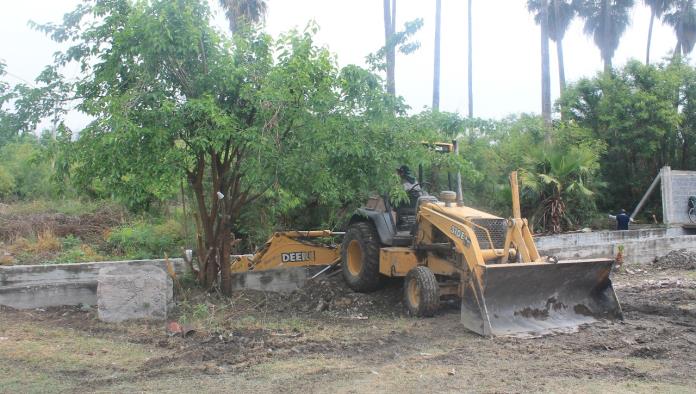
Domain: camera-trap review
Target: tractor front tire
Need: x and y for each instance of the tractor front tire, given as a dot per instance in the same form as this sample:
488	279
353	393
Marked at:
421	292
360	257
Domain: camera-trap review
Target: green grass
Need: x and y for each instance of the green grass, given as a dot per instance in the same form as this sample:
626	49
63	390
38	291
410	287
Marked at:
37	359
144	239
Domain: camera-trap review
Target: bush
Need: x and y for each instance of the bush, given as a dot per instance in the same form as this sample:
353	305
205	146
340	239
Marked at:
144	240
32	172
7	183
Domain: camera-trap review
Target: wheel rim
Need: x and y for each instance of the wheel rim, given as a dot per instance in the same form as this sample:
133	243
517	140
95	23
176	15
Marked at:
355	258
413	291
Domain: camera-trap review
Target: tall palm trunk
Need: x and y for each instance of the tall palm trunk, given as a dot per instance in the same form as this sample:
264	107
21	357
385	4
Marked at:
650	31
606	35
436	71
470	64
559	47
545	75
389	29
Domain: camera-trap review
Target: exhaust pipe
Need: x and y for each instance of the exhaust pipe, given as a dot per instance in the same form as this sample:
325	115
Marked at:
460	199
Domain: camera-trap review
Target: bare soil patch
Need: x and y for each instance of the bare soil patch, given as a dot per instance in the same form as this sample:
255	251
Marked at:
325	338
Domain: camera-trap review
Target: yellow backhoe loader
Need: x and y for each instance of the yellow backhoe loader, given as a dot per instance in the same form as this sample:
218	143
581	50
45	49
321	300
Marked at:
443	248
290	249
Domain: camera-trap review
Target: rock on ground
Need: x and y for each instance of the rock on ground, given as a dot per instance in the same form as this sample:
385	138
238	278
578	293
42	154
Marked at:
126	293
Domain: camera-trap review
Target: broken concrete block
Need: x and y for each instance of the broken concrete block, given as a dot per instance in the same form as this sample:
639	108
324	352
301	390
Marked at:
126	293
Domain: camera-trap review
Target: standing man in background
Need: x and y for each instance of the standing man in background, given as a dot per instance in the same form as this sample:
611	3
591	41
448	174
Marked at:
622	220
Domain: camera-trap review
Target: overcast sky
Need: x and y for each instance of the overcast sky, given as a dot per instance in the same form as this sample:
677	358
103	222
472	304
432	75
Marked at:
506	46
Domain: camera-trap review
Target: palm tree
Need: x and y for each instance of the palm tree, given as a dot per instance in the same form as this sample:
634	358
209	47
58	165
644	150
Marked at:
683	20
542	18
657	9
389	30
605	21
469	70
561	14
436	72
242	12
557	179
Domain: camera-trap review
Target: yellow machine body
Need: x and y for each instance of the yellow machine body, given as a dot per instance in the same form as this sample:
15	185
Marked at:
506	287
289	249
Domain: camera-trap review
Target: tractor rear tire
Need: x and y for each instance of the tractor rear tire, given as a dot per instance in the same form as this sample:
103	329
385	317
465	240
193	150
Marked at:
421	292
360	257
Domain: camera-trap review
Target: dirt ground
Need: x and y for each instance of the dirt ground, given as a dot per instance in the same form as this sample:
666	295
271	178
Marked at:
328	339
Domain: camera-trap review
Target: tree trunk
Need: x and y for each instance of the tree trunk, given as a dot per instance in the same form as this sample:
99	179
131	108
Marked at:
650	30
606	34
390	54
470	63
607	64
545	75
436	71
559	47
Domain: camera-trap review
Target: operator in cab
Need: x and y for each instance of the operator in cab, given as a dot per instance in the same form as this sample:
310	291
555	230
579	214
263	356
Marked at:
408	181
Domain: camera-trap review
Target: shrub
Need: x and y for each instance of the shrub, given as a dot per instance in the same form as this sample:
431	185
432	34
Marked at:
143	240
7	183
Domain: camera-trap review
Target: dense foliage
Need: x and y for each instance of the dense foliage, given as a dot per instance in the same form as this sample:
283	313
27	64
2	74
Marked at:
257	134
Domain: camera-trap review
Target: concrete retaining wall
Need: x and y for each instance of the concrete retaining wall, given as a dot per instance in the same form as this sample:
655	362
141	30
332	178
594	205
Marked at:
601	237
40	286
640	246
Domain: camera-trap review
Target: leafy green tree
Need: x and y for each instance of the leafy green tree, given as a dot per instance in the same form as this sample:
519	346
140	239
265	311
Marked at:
683	19
244	12
641	114
605	21
8	121
657	9
243	121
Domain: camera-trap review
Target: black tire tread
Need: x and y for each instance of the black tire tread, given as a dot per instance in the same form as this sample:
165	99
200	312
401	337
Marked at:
429	290
369	278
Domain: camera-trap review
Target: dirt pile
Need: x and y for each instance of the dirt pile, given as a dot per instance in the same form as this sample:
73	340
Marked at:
331	295
677	259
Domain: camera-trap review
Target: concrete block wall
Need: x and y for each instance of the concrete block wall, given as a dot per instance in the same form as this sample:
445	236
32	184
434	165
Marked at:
40	286
640	246
683	186
600	237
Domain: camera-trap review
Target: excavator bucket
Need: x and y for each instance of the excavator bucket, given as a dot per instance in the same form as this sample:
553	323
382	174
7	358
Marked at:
529	299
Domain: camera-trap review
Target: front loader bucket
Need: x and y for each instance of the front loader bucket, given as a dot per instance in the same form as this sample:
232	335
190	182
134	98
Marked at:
527	299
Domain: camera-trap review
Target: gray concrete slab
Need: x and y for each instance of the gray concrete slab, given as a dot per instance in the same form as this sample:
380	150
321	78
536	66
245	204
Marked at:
41	286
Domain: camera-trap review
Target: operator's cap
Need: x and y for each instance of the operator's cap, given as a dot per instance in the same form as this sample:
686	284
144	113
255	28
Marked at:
404	169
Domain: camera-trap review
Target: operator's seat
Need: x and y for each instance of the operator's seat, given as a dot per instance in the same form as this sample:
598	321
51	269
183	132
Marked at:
406	212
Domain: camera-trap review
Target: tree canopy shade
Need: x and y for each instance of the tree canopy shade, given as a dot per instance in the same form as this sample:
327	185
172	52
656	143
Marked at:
243	121
605	21
657	9
560	13
682	18
645	115
244	12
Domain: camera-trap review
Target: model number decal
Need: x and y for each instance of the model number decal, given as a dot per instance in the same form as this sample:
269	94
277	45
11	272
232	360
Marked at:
459	233
297	256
